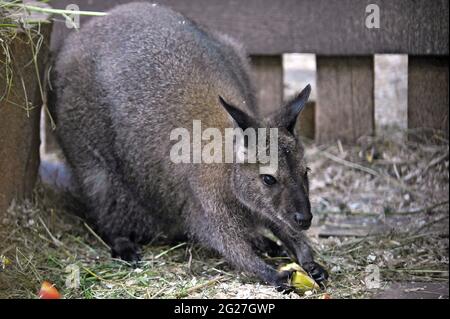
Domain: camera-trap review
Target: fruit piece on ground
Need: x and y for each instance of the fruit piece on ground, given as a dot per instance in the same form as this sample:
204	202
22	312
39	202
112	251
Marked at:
48	291
300	279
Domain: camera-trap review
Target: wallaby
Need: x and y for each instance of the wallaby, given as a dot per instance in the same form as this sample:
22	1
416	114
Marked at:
120	86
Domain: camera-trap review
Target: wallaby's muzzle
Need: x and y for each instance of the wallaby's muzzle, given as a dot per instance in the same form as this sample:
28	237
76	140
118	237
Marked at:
303	220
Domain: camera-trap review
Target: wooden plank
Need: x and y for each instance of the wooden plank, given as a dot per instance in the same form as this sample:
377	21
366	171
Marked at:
345	103
19	128
325	27
428	93
412	290
268	81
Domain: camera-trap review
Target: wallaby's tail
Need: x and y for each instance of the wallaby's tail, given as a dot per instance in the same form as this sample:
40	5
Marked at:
56	174
54	171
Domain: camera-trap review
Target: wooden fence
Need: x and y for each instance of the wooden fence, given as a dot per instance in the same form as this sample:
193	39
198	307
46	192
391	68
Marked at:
336	32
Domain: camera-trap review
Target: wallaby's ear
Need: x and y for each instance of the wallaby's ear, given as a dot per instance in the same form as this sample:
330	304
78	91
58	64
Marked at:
242	119
287	116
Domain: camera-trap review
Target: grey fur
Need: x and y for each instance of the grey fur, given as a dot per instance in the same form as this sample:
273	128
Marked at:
121	85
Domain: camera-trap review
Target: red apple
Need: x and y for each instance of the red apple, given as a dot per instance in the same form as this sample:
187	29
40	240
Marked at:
48	291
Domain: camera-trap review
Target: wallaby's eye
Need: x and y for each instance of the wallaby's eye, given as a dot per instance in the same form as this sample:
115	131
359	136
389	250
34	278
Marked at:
269	180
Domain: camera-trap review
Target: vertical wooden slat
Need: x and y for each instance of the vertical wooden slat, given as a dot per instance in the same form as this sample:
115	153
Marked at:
428	92
19	128
268	81
345	98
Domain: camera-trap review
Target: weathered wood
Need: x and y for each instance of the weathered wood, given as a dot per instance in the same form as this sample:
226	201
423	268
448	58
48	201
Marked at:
412	290
345	103
428	93
268	81
324	27
19	128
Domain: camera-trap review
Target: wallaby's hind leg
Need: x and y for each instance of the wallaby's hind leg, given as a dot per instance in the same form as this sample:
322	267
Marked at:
124	248
116	213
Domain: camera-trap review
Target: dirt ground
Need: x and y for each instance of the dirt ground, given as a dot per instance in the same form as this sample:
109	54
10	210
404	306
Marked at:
381	229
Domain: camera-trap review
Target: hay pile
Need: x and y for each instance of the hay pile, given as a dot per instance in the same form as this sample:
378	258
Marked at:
16	24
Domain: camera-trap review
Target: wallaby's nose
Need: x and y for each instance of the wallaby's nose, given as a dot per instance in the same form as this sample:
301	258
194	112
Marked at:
302	220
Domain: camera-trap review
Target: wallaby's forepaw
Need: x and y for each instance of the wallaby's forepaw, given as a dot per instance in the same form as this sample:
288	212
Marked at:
125	249
272	249
316	271
282	281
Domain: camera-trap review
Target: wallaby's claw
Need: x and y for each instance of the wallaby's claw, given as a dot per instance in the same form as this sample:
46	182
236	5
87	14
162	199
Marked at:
284	289
127	250
317	272
282	282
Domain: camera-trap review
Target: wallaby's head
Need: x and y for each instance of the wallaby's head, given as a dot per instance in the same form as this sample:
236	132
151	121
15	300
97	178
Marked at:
278	196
